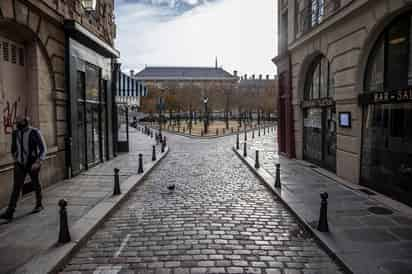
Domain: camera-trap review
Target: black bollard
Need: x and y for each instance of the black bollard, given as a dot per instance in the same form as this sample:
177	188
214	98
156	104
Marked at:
277	181
140	169
323	218
217	132
164	140
253	134
237	140
264	131
231	129
244	149
116	189
245	135
163	147
259	132
257	165
64	234
154	153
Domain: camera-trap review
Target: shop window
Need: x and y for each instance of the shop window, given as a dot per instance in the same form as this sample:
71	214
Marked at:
5	51
319	84
390	62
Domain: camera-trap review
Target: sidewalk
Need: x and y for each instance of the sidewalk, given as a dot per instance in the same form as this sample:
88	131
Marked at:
366	241
30	235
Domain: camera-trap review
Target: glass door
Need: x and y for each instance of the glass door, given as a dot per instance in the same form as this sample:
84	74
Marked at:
329	138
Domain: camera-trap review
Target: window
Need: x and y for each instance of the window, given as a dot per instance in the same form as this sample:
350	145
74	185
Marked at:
317	11
6	51
89	5
390	62
21	56
319	83
13	54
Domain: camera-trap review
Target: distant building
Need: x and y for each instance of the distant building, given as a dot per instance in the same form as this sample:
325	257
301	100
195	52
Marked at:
203	77
129	90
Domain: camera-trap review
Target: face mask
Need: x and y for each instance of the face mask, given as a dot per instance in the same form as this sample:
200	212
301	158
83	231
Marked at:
21	126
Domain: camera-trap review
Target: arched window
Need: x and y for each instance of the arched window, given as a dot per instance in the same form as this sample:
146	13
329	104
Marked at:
390	64
319	83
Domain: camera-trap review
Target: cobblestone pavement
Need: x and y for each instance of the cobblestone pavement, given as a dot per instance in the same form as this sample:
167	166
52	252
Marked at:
219	219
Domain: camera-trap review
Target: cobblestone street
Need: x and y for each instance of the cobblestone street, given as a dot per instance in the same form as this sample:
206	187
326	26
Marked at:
219	219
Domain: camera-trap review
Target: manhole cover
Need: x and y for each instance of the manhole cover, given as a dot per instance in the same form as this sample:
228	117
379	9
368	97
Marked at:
367	191
378	210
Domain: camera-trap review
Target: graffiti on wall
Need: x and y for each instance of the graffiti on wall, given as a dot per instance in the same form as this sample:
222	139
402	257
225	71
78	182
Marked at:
10	112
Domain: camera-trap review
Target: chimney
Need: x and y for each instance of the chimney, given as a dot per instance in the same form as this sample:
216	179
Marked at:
267	77
131	73
235	73
253	76
260	76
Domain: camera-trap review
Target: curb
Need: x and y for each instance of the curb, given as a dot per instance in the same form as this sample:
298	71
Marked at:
269	182
57	256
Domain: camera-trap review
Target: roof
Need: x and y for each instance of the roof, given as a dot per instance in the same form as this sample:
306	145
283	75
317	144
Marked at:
184	73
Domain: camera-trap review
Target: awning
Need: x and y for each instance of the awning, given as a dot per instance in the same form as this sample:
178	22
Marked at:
81	34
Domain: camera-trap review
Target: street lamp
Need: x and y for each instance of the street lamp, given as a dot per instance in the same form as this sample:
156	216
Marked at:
206	120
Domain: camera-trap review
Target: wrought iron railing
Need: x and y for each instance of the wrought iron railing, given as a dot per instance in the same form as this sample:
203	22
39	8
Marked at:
312	13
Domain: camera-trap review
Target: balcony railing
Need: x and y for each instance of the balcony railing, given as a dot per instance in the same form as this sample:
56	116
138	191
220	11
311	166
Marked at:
314	13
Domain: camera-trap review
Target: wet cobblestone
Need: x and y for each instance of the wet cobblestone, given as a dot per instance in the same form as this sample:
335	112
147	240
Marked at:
219	219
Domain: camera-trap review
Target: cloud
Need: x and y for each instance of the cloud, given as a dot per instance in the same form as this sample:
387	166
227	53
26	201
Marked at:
241	33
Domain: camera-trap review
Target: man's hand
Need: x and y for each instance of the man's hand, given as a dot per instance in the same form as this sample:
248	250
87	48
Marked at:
36	165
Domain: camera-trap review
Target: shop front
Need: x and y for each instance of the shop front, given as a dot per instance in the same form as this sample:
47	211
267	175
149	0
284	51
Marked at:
90	63
319	116
386	164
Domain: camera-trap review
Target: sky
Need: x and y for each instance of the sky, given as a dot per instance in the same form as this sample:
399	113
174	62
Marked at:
240	33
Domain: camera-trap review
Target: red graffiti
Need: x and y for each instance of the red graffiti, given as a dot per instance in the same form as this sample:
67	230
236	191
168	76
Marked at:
9	116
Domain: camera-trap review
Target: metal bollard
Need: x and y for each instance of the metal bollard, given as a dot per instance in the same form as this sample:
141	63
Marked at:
259	132
140	169
116	189
253	134
151	134
163	147
64	234
237	140
245	135
257	165
277	181
164	140
217	132
264	131
231	129
224	131
323	218
244	149
153	153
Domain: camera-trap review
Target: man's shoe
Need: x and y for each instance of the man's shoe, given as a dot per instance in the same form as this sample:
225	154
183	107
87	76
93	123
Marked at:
7	216
38	208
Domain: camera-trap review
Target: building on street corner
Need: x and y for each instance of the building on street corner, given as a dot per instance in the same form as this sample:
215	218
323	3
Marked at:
345	77
57	67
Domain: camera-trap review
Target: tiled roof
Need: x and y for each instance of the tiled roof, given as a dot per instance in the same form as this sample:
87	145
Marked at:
181	73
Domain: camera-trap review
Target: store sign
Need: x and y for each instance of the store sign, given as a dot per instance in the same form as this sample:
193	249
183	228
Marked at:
324	102
387	97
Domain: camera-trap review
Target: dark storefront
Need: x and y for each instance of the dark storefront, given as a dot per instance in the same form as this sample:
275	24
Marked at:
387	113
91	99
319	116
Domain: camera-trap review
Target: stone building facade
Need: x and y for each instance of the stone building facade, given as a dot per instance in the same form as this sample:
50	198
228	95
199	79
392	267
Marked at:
48	50
345	91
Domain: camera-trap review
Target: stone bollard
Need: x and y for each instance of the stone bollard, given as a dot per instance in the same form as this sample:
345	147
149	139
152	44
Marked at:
140	169
277	181
116	188
244	149
153	153
257	165
237	140
64	234
323	217
217	132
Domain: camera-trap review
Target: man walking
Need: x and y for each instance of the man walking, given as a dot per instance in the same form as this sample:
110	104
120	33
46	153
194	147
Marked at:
28	149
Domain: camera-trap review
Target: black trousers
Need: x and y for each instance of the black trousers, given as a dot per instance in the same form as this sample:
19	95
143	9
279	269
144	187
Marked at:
20	174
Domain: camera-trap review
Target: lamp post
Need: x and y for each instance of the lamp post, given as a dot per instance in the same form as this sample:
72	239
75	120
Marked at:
206	120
